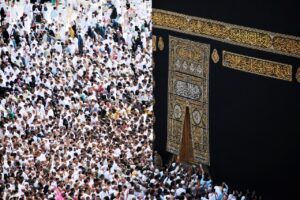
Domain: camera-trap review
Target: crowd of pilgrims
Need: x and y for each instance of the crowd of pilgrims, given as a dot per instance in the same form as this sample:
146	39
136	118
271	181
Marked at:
76	106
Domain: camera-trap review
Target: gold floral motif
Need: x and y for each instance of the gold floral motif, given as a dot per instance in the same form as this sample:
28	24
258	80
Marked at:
225	32
161	44
154	43
215	56
298	75
257	66
185	59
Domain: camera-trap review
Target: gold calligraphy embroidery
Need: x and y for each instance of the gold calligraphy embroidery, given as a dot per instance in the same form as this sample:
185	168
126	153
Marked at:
233	34
257	66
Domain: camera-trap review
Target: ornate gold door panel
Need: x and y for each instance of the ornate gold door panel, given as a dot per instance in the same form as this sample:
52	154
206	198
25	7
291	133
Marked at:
188	87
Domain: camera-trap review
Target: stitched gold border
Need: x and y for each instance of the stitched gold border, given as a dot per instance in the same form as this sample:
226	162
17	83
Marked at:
297	76
229	33
153	43
257	66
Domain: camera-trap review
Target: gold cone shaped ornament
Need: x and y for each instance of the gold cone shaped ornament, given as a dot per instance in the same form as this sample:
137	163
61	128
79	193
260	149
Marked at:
161	44
215	56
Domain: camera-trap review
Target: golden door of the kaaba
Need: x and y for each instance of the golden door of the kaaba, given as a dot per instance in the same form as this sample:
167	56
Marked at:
188	88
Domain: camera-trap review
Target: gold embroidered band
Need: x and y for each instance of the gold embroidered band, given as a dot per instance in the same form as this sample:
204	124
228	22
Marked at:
232	34
257	66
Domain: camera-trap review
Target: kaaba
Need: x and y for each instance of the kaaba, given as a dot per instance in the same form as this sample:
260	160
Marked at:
233	67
